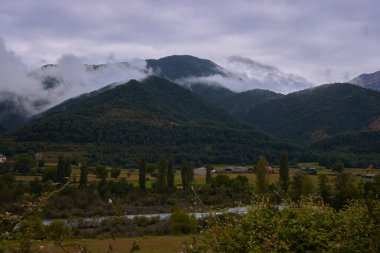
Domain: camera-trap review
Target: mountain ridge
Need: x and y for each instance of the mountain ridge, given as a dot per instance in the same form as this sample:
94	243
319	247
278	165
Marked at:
151	117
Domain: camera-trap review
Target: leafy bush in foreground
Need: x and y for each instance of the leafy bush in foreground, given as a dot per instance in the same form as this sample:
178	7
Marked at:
309	226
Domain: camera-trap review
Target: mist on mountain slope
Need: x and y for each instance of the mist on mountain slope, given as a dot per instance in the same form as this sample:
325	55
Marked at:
242	74
35	90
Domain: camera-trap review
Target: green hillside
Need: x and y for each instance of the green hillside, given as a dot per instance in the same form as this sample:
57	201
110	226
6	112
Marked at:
116	124
356	149
317	113
242	103
182	66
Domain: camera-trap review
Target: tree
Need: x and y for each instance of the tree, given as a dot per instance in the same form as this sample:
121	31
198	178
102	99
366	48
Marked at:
49	174
101	172
345	189
142	174
324	187
338	167
187	174
301	185
63	169
83	177
284	171
209	168
161	182
307	185
24	162
115	172
261	176
170	174
182	222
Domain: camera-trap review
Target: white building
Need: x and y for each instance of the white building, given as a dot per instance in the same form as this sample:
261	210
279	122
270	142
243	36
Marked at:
3	158
237	169
200	171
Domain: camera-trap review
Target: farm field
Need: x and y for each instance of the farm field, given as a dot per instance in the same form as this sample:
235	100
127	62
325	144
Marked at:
131	175
148	244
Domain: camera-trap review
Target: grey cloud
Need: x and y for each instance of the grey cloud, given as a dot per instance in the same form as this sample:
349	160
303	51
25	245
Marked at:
25	87
243	74
301	37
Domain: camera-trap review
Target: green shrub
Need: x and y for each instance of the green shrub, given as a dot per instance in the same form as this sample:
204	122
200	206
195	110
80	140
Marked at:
182	222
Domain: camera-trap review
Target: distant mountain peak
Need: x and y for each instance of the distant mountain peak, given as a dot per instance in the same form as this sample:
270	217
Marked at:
183	66
369	81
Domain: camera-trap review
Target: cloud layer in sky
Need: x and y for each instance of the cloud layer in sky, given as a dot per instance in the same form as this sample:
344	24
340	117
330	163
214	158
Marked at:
324	40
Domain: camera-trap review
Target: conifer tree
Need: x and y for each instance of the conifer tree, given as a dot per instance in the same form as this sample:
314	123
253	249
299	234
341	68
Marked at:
142	174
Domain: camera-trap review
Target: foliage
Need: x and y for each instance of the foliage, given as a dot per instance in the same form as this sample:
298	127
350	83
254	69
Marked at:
345	189
284	171
24	162
101	172
187	174
181	66
300	185
182	222
113	126
338	167
83	177
142	174
324	188
63	169
317	113
307	226
49	174
115	172
161	182
170	174
261	176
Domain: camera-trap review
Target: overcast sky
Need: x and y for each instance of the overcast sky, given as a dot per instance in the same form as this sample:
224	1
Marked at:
321	40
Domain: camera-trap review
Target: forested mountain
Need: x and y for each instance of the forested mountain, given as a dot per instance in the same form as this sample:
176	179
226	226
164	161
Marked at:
116	124
355	149
369	81
317	113
242	103
210	92
233	102
182	66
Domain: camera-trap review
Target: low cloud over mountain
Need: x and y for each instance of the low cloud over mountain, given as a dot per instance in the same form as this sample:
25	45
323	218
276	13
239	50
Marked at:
241	74
40	88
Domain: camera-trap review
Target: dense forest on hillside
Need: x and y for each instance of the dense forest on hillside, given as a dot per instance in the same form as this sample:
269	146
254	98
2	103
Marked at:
116	124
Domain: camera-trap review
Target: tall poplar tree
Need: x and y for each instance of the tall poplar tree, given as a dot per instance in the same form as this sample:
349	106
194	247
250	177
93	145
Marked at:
161	182
284	171
187	174
170	174
142	174
83	177
261	176
63	169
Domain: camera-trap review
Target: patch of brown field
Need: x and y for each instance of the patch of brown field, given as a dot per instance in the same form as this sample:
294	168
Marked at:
26	178
156	244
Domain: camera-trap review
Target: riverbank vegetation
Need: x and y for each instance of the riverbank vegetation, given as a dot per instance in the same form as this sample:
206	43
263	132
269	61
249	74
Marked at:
315	206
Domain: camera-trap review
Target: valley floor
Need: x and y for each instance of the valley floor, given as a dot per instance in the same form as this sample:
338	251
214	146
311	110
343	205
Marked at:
156	244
